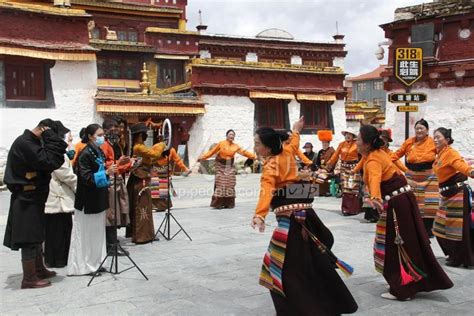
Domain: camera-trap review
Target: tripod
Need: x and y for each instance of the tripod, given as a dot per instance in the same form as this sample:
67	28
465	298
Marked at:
113	252
166	222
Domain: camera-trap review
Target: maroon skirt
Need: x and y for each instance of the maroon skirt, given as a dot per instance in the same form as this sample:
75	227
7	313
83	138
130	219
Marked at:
416	244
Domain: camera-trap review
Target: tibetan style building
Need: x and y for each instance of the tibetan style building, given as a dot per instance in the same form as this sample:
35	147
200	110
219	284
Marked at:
148	65
445	31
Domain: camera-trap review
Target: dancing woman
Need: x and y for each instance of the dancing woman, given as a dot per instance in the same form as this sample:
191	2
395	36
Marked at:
301	279
402	249
224	187
454	222
420	153
347	153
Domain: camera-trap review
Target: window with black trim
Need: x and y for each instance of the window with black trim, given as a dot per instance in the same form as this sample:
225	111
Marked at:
170	73
118	68
316	115
25	79
271	113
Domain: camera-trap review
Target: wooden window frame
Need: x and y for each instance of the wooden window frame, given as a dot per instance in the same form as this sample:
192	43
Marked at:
164	64
264	108
323	110
18	77
122	61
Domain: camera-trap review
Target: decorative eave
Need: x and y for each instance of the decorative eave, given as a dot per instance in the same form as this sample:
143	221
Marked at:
122	46
138	97
170	31
224	63
45	8
47	49
134	9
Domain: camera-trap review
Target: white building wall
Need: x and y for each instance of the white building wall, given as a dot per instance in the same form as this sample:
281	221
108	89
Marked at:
447	107
339	119
222	113
74	87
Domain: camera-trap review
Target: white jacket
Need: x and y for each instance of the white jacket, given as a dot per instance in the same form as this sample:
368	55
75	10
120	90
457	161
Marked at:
62	190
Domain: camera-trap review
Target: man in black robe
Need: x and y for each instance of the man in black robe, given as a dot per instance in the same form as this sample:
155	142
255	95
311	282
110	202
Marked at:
32	158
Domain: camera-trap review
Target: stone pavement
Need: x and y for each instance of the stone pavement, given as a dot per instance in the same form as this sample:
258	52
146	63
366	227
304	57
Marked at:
217	272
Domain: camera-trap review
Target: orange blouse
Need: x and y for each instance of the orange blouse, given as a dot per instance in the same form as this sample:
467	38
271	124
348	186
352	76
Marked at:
397	162
278	171
227	150
77	150
110	157
378	167
448	163
173	157
417	152
149	155
347	152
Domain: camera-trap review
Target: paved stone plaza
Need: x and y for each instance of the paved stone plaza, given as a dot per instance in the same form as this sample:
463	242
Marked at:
216	273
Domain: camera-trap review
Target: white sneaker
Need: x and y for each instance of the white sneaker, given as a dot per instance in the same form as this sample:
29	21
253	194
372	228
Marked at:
388	296
391	297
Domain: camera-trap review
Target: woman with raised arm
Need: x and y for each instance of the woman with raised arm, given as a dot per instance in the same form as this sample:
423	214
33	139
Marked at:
301	278
224	187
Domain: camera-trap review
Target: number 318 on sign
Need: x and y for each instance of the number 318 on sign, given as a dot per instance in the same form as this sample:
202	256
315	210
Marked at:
409	53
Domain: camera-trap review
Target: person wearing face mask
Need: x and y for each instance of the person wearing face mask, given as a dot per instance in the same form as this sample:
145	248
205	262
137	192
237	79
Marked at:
88	244
32	158
224	187
351	182
420	153
141	228
114	154
300	277
454	222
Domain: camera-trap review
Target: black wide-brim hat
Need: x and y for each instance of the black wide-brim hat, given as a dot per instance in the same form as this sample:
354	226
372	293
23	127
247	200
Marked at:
138	128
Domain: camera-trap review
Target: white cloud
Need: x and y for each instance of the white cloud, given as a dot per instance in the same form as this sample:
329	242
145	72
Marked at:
310	20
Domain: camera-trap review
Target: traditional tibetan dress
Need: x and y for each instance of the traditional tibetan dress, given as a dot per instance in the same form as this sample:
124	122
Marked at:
301	279
161	172
224	186
138	186
420	156
351	183
454	222
402	249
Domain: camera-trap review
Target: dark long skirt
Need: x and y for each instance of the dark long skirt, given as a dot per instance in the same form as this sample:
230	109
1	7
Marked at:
58	239
459	251
416	244
141	215
311	284
25	223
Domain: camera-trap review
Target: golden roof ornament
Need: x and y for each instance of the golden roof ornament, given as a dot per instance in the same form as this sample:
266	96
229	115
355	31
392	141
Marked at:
145	83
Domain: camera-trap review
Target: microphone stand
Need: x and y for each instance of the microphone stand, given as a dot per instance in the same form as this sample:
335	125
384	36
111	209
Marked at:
113	253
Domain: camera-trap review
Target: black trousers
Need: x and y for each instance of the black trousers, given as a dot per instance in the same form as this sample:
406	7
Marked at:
58	239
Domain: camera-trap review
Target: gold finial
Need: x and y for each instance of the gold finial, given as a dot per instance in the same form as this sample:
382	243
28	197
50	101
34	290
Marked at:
145	83
200	17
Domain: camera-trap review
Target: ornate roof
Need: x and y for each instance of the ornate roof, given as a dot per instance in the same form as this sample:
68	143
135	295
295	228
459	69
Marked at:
127	6
122	46
169	31
434	9
225	63
42	8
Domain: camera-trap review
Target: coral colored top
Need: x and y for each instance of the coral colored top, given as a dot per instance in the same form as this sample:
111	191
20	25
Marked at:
417	152
149	155
448	163
347	152
110	157
278	171
227	150
378	167
173	156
